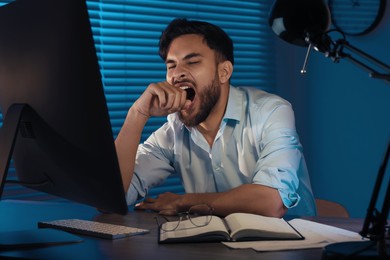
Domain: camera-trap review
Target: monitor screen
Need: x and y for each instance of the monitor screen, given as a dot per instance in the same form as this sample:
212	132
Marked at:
53	103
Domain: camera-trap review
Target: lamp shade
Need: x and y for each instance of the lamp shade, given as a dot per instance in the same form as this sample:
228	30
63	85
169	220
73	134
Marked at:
294	20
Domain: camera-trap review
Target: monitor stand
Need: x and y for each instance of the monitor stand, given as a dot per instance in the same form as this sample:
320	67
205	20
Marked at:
14	240
8	133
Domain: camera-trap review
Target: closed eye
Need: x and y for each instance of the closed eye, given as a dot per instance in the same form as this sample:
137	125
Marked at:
171	65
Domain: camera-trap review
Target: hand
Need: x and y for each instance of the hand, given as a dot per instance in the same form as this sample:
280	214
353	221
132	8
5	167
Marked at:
167	203
161	99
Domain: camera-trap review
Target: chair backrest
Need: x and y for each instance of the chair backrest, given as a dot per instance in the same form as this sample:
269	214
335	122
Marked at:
326	208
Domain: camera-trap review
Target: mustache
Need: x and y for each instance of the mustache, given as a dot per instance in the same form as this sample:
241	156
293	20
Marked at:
183	81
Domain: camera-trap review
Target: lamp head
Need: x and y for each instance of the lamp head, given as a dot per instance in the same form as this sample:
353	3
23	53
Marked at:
300	22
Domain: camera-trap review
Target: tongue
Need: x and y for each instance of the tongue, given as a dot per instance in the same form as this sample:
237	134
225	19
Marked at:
190	93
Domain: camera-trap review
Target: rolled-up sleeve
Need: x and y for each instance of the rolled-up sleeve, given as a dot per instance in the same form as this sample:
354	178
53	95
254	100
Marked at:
280	152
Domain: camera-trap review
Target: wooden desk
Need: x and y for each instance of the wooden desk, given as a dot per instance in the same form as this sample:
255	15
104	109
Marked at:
23	215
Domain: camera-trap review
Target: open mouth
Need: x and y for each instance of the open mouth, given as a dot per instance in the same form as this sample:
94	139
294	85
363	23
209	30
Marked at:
190	92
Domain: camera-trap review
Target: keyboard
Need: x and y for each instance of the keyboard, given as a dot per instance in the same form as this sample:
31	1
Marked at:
93	228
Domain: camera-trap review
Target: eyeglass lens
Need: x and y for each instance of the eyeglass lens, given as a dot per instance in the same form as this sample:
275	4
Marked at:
199	215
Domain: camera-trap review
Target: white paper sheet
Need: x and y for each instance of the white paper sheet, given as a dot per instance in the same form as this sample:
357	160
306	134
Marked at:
316	236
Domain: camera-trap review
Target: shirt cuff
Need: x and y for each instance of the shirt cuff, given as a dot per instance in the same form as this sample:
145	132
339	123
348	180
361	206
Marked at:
289	199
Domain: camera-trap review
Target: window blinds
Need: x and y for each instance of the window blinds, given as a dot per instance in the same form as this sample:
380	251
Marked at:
126	35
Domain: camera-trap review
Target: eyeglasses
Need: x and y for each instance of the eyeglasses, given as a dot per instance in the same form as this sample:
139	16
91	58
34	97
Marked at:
196	216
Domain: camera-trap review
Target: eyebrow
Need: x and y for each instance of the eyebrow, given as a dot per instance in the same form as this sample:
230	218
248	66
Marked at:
187	57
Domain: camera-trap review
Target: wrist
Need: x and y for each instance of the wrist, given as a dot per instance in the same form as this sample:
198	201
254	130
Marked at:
136	114
134	123
192	199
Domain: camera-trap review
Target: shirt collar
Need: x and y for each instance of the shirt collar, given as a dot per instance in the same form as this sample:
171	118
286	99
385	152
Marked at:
234	105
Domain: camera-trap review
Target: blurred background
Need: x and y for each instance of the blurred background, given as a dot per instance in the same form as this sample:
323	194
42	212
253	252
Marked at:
342	115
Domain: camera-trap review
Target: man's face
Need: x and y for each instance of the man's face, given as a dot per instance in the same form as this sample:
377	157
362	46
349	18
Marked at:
191	63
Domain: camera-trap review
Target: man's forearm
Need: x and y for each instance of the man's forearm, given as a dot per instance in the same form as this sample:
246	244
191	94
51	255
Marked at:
127	143
248	198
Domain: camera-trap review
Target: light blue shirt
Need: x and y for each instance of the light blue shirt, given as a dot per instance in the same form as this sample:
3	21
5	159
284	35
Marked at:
257	143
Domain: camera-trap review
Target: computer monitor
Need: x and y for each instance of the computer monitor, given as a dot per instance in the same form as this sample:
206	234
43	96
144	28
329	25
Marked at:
56	122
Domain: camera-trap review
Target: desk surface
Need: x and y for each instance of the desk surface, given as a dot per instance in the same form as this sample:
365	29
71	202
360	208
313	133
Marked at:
17	215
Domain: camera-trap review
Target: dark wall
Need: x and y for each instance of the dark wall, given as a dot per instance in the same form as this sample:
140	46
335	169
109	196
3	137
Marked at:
343	117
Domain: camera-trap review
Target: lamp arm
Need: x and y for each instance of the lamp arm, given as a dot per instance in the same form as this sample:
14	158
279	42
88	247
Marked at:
372	73
366	56
338	53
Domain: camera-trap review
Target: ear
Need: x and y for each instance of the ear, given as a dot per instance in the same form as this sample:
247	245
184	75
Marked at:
225	70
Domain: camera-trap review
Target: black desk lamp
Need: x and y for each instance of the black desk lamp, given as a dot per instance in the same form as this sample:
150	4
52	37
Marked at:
305	23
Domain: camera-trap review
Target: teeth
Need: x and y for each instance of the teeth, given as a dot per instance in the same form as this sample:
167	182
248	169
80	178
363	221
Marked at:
190	92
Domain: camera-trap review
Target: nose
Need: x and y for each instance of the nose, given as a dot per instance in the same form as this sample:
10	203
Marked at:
179	72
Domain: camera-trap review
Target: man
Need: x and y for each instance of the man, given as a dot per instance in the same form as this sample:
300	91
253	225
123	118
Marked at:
235	149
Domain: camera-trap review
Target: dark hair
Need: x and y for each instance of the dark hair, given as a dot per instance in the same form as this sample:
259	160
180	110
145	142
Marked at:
215	38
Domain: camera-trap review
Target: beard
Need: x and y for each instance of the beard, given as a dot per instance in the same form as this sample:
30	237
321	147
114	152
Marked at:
208	98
